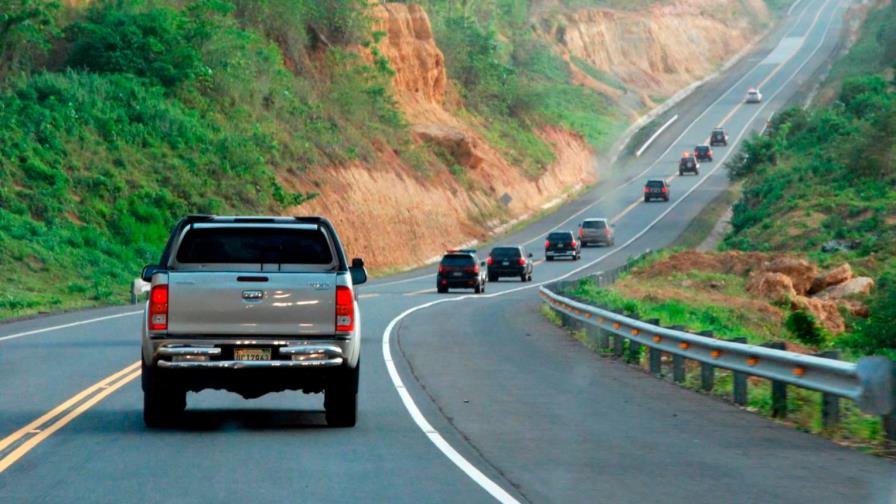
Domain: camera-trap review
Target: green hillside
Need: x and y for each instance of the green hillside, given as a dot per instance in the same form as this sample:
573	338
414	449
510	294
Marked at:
119	117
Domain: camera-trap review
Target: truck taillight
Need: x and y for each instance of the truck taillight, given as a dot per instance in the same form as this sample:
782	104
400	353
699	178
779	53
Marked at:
489	261
345	309
547	243
573	244
646	189
522	261
158	308
665	189
441	269
581	232
476	268
607	232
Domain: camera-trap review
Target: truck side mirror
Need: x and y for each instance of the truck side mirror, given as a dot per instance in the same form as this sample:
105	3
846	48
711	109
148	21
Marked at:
359	274
530	254
149	270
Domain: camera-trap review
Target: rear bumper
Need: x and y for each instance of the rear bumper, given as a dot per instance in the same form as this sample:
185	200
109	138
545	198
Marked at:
506	271
466	282
297	356
560	253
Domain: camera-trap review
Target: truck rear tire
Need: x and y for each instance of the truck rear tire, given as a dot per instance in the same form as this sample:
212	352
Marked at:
162	405
341	399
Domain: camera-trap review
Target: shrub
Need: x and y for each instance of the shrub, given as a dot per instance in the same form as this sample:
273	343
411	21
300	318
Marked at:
802	325
877	334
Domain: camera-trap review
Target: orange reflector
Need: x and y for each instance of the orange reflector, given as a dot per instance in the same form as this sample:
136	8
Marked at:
587	315
616	325
799	371
683	345
635	332
752	361
657	339
715	354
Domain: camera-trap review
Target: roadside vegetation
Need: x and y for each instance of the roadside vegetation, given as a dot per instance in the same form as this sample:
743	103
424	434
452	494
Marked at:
118	117
818	191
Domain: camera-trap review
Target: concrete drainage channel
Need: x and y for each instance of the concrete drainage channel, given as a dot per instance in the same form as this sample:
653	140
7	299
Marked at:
870	383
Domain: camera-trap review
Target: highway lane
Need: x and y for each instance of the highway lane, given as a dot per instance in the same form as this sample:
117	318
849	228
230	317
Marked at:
273	449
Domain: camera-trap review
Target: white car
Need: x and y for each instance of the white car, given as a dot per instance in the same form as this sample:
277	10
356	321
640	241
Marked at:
753	96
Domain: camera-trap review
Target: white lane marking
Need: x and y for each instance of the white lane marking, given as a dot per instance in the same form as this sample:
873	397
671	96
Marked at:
462	463
793	6
64	326
655	134
366	296
428	290
735	86
431	433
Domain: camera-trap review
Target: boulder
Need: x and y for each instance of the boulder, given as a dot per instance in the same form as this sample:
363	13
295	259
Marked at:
457	143
770	285
855	308
801	272
825	312
828	278
855	286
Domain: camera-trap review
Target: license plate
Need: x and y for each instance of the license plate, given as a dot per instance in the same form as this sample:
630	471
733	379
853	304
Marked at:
457	274
252	354
505	263
560	245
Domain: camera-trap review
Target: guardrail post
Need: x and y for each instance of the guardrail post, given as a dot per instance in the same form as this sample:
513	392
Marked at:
889	422
830	404
779	389
678	362
618	345
707	371
603	339
656	363
739	383
634	351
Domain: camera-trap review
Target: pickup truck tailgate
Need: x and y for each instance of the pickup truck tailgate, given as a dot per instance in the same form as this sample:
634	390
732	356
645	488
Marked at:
264	303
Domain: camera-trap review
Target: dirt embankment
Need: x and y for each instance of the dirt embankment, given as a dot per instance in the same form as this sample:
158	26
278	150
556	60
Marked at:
658	50
396	217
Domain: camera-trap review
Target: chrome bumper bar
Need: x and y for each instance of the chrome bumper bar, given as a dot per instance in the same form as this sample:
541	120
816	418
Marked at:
304	356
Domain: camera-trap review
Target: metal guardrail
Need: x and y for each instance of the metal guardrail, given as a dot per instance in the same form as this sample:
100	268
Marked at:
871	382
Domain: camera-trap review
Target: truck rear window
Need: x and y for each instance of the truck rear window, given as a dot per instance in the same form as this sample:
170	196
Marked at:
235	245
594	224
655	183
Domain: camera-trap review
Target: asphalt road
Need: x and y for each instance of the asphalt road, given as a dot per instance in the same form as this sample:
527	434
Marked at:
464	399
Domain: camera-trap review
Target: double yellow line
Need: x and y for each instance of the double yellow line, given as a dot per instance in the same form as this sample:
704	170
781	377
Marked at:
29	436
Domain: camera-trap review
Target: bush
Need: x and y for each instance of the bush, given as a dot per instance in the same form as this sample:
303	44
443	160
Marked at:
803	327
877	334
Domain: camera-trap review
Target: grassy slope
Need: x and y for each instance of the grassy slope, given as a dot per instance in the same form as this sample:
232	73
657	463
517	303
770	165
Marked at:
117	119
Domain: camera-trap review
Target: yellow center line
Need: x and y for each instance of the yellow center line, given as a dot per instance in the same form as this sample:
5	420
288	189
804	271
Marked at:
24	431
28	445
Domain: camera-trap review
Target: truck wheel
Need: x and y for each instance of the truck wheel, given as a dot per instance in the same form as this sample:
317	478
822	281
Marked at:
477	289
162	405
548	258
493	278
441	290
341	398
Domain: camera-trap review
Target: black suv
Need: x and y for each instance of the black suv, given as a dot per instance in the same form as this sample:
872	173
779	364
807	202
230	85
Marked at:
461	269
688	164
509	261
703	153
562	244
656	188
718	137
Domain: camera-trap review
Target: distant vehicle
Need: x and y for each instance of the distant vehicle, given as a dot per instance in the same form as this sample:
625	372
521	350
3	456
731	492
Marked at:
656	189
703	153
562	244
596	231
509	262
753	96
718	137
461	269
251	305
688	164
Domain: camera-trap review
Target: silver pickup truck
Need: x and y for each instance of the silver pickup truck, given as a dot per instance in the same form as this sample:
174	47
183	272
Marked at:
252	305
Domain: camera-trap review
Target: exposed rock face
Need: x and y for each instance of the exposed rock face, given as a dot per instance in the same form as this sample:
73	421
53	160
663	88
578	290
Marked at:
462	146
835	276
411	50
771	285
801	272
825	312
663	47
858	285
